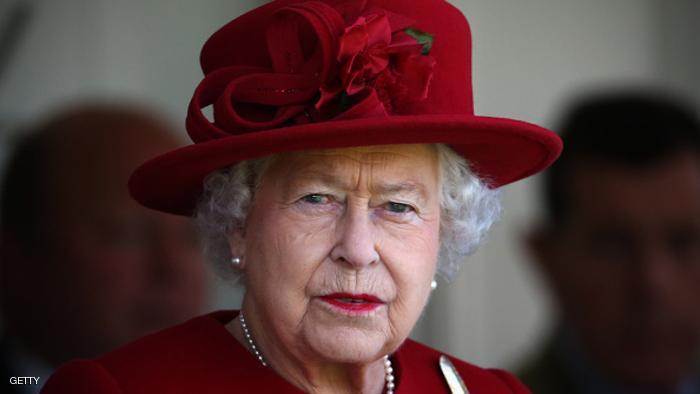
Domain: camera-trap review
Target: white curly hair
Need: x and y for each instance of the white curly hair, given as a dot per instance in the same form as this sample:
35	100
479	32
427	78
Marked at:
468	209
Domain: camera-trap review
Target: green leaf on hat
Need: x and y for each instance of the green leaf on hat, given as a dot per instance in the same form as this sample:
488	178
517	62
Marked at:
426	39
344	101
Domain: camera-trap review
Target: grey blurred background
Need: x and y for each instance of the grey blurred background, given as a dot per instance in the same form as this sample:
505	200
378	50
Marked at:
530	58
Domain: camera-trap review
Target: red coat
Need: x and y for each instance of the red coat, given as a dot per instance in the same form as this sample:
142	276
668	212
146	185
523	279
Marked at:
201	356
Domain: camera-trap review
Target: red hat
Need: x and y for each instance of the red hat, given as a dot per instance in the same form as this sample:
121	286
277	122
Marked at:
313	74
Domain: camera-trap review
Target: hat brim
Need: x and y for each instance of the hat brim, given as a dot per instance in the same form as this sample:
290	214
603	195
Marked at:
499	150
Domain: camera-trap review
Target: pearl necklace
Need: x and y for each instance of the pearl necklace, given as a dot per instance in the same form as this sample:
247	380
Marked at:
250	339
388	370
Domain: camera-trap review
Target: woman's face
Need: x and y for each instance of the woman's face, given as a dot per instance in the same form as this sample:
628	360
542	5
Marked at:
340	247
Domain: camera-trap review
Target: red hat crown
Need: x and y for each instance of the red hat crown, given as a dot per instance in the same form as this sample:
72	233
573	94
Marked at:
327	60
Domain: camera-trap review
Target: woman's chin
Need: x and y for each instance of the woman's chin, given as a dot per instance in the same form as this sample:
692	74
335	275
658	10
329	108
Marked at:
347	340
348	345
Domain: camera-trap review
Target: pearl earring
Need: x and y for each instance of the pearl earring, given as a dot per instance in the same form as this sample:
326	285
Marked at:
236	261
433	284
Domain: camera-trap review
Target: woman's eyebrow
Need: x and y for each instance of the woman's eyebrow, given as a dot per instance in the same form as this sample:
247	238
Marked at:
316	179
323	178
343	183
406	187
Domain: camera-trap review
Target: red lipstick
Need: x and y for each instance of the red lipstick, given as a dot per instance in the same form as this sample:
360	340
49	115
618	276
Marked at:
353	302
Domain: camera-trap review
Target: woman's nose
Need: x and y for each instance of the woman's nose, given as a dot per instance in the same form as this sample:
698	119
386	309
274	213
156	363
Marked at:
355	238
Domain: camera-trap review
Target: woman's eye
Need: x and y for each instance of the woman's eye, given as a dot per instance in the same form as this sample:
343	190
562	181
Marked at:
315	199
397	207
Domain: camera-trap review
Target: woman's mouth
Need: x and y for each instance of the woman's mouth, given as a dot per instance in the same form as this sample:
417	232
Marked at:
348	302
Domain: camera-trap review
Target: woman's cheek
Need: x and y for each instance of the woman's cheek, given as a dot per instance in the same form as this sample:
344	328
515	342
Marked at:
412	260
412	244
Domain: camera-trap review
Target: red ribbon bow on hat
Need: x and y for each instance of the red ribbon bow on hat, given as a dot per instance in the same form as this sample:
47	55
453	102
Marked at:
372	67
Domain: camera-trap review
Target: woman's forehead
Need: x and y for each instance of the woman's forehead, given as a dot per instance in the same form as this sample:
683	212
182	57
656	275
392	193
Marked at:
372	155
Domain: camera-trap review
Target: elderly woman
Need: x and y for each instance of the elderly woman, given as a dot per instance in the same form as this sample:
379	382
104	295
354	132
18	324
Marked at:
342	170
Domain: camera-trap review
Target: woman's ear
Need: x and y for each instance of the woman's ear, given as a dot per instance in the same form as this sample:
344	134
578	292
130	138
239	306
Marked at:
236	244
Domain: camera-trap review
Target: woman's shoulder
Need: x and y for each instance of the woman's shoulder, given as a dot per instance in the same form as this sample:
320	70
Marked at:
187	335
189	342
81	377
418	370
189	354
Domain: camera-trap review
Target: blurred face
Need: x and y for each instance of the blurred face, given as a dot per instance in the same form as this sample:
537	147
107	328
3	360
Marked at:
340	249
627	267
112	270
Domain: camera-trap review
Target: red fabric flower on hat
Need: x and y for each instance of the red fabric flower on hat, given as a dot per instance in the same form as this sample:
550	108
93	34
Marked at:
395	64
363	52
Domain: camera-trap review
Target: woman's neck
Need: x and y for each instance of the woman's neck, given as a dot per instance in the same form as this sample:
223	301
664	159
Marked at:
310	374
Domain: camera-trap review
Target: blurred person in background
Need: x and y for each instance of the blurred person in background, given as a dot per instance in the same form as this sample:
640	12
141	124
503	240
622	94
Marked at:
620	250
85	268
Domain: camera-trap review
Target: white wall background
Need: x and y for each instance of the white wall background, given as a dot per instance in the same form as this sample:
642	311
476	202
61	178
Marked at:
530	57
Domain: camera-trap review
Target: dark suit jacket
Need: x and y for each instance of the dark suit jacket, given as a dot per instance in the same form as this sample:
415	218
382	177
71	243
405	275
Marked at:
201	356
561	369
545	374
